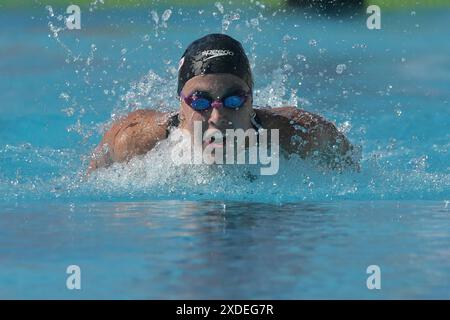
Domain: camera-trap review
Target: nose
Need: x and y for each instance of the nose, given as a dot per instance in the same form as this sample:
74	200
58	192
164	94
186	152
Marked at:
218	119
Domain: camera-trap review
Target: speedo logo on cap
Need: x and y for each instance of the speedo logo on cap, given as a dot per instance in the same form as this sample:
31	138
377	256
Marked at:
209	54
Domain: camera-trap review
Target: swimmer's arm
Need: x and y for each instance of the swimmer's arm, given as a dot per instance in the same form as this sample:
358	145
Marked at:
135	134
334	148
308	134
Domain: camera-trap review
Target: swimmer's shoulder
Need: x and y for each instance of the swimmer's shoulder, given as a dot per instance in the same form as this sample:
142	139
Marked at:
305	133
286	117
133	134
144	117
290	122
139	128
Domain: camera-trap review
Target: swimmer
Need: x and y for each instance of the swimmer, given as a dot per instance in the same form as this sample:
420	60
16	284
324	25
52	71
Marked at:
215	87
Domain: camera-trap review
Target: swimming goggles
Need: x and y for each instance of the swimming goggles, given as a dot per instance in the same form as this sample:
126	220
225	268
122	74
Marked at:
201	101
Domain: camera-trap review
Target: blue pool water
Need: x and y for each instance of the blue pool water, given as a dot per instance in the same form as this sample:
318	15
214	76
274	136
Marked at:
150	229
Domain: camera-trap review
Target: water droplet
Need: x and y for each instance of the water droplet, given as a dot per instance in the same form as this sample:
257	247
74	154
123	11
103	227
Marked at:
286	38
340	68
166	15
219	7
68	111
50	10
345	127
254	22
154	16
301	57
312	43
64	96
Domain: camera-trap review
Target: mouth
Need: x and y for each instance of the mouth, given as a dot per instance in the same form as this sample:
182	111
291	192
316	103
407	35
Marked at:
215	143
211	140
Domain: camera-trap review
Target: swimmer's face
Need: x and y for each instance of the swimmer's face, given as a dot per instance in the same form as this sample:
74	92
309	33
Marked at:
217	86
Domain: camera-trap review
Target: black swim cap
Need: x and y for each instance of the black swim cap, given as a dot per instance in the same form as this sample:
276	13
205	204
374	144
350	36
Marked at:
214	53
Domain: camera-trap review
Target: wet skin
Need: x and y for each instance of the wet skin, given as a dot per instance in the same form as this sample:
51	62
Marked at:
139	131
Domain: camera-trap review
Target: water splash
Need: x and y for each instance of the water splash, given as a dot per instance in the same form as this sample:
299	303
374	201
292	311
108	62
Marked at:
160	22
383	175
276	93
390	170
151	91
